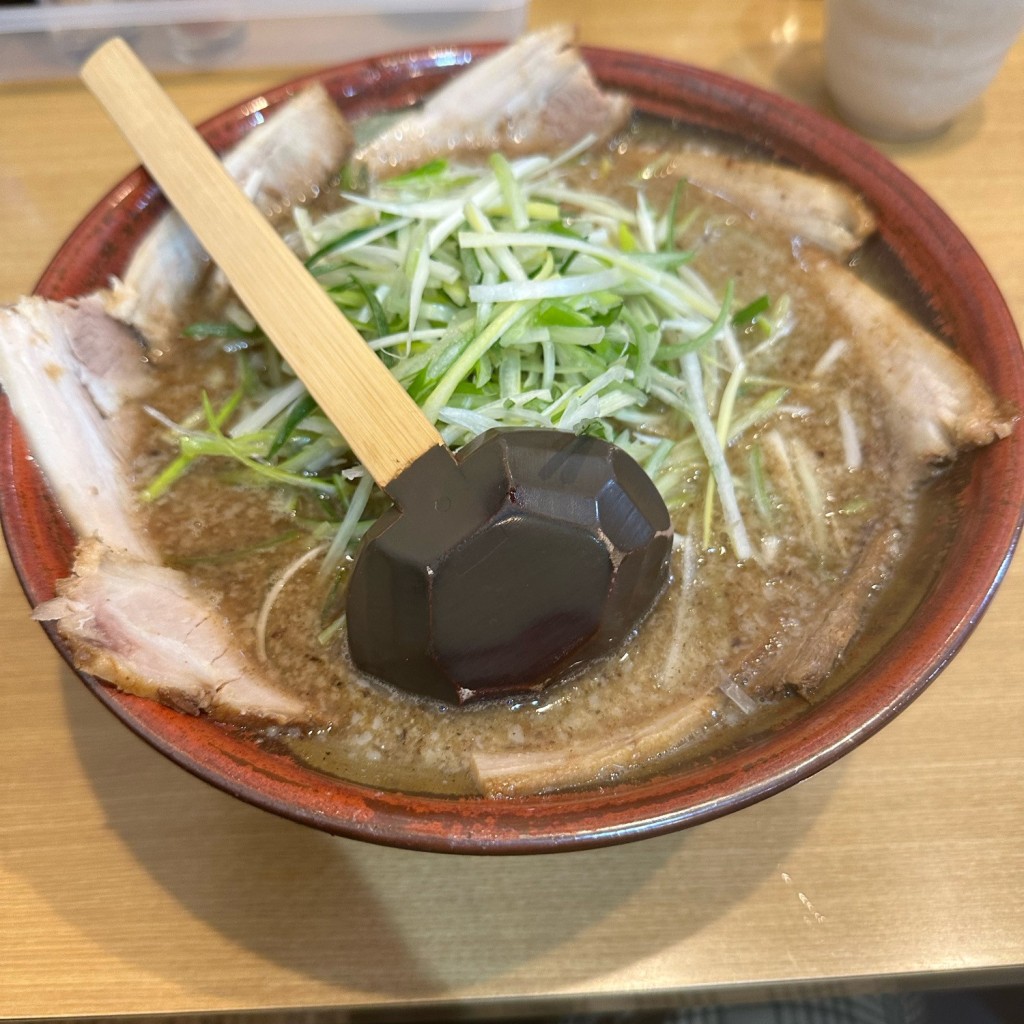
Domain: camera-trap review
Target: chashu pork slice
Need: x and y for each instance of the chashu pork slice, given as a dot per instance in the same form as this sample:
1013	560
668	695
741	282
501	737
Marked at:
813	207
935	402
150	631
74	376
536	94
290	157
69	369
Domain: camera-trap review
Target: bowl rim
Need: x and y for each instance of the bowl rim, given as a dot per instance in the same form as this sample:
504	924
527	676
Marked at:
967	306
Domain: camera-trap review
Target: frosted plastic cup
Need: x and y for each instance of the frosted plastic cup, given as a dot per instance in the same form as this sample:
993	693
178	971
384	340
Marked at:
904	69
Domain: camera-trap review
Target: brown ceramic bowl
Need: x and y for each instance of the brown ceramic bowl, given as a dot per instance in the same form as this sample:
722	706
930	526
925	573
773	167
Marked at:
949	284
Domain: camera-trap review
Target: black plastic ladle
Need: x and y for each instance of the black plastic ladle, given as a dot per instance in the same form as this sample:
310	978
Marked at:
501	567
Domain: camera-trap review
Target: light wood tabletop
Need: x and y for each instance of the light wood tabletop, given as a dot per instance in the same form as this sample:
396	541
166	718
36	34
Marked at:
128	886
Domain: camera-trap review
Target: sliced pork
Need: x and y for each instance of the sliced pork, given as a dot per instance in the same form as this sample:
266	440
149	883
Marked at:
290	157
936	403
536	94
519	772
148	630
809	206
69	370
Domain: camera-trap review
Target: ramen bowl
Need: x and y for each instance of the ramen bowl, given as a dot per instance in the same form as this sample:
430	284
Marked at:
939	275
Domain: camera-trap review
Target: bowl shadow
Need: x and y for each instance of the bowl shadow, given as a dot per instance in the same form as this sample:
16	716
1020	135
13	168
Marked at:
383	925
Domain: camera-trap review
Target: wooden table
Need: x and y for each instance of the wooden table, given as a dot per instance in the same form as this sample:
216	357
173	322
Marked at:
128	886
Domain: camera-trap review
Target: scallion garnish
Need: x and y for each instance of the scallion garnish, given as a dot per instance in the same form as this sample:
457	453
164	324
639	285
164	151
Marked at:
507	295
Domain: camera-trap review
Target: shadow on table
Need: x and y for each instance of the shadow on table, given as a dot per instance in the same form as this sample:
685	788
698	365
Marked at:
392	924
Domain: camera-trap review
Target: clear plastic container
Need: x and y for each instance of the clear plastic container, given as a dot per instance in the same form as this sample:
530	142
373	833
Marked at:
50	40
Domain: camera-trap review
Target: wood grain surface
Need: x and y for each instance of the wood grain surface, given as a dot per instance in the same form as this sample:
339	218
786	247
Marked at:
127	886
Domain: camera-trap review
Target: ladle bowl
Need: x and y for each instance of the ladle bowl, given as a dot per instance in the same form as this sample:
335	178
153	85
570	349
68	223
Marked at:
534	552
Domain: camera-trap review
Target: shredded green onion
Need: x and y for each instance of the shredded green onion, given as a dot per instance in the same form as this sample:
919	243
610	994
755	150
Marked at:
751	311
506	295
